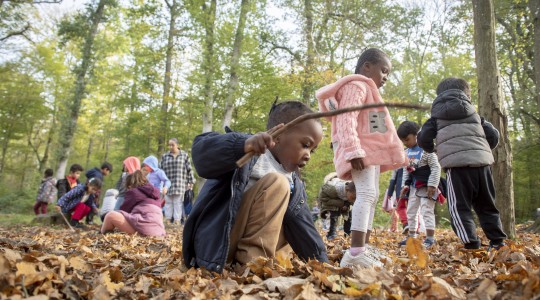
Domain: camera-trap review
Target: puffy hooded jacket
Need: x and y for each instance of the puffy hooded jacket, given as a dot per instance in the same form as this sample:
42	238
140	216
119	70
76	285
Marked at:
464	139
157	177
368	134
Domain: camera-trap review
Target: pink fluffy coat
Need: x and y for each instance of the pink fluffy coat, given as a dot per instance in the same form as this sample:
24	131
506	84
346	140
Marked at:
369	134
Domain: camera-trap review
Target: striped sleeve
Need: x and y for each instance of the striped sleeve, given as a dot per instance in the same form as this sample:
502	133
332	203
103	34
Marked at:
435	168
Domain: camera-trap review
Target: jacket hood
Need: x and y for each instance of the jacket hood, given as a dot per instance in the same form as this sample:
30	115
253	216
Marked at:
147	191
132	164
152	162
111	193
452	105
94	173
327	94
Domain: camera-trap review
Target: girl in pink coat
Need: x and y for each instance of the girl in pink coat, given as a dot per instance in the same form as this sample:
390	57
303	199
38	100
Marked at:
365	143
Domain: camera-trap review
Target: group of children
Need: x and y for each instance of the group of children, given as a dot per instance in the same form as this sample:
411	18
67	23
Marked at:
259	208
135	205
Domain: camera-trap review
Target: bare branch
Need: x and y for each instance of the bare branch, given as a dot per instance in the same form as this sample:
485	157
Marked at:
16	33
528	114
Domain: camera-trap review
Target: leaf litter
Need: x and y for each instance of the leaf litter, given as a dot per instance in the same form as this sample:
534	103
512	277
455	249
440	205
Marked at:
52	263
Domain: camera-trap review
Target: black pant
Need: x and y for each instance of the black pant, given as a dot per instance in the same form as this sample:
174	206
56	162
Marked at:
472	188
334	216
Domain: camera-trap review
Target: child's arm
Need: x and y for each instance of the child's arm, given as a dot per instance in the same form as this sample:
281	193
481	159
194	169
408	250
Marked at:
426	135
435	169
166	182
392	184
407	180
346	124
492	134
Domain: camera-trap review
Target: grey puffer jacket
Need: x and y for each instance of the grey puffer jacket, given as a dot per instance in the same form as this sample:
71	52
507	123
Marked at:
464	139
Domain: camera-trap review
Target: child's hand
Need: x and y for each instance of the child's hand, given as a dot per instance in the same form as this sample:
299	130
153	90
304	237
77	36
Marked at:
164	191
357	163
96	211
58	208
431	190
261	141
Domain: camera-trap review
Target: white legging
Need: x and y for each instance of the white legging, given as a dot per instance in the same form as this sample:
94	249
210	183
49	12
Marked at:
367	193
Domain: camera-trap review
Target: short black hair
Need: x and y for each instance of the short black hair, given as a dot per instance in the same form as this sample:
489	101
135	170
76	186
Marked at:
49	172
106	165
454	83
406	128
372	55
76	168
95	182
285	112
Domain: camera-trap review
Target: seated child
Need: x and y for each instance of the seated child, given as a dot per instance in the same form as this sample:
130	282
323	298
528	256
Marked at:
76	202
464	143
336	197
255	210
155	175
141	211
46	193
105	169
64	185
109	201
129	166
420	180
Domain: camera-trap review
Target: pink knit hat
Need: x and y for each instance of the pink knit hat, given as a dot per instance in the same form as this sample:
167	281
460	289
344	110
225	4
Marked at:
132	164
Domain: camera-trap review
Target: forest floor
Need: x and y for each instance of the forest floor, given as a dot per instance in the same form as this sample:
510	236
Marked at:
55	263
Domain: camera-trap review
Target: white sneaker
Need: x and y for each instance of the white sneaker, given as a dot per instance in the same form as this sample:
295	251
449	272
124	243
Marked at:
376	253
361	260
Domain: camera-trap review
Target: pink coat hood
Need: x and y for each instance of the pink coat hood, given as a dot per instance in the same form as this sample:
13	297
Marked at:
369	134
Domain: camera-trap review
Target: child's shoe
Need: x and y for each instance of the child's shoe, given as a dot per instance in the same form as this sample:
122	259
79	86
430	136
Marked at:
361	260
403	242
428	243
376	253
405	230
495	246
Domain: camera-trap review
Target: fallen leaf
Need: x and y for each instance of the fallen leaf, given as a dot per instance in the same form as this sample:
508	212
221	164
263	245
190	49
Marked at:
282	284
416	251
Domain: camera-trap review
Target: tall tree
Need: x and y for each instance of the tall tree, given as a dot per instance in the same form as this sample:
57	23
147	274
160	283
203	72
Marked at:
235	63
491	106
69	124
174	10
209	13
534	7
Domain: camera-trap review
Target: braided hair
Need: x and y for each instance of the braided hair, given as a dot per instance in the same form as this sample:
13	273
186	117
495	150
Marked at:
371	55
285	112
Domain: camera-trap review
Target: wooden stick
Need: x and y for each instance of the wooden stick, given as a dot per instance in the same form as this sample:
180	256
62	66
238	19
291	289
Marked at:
67	222
242	161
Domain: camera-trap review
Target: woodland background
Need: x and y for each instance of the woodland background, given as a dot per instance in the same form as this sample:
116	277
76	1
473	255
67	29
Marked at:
112	79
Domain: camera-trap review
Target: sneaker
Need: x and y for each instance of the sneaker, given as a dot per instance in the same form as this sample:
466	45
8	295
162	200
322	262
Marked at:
331	237
376	253
405	230
403	242
361	260
496	246
428	243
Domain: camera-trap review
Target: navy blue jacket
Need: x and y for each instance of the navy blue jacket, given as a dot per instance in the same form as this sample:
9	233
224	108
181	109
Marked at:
94	173
207	230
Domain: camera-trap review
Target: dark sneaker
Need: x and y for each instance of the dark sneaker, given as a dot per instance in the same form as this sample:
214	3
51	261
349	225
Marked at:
403	242
331	237
428	243
496	246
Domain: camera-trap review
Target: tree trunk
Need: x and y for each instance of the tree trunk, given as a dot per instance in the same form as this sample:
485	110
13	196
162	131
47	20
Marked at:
208	65
491	106
89	152
307	83
163	132
235	63
69	127
534	7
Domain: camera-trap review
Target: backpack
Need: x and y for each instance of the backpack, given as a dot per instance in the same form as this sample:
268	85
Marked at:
188	199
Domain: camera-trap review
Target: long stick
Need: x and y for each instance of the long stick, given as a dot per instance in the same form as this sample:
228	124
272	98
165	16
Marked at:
67	222
242	161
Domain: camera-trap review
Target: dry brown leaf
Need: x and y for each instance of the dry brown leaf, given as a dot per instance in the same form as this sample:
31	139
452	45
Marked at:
282	284
416	251
105	280
26	268
11	256
5	266
440	289
486	290
79	264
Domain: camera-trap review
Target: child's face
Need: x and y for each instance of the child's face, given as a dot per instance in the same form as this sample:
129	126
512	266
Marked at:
92	189
145	170
105	171
377	72
75	175
293	148
409	141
